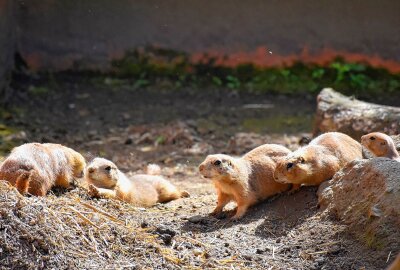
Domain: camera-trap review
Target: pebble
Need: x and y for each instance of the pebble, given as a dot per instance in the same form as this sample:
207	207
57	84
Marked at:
197	251
129	141
196	219
162	229
259	251
167	239
144	224
248	256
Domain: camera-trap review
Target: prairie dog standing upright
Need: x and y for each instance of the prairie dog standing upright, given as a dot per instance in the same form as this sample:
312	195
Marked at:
106	180
380	145
35	168
245	180
319	160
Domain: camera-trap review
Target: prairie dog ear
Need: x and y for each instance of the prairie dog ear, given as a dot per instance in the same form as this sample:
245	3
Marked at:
383	143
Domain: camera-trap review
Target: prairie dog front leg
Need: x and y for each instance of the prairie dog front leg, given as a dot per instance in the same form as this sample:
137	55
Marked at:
102	192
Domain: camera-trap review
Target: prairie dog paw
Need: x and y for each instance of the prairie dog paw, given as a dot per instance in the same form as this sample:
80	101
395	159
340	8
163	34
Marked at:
93	191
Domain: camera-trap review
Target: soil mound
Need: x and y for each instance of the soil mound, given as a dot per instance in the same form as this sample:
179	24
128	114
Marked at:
67	232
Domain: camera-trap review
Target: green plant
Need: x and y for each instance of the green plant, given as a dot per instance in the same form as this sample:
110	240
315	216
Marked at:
232	82
38	90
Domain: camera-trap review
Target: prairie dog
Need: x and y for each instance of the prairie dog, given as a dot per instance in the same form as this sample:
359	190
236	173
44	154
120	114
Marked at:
246	180
106	180
319	160
35	168
380	145
395	265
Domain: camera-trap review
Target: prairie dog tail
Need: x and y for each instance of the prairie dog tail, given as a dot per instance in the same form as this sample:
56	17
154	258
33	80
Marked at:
153	169
166	190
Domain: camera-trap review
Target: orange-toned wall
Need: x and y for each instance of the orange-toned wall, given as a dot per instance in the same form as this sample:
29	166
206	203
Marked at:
60	34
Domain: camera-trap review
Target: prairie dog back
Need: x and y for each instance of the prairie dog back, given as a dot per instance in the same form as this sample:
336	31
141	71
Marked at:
35	168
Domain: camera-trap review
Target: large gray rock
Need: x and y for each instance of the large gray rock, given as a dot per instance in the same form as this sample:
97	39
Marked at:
365	194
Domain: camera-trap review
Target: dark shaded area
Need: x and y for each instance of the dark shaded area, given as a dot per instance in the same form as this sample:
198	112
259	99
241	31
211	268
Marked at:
86	107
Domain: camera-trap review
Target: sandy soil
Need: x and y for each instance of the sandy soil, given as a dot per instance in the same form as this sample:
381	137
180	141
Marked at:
177	130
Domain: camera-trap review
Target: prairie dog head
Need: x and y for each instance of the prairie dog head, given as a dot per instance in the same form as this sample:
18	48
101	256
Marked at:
217	166
77	162
380	144
102	173
295	168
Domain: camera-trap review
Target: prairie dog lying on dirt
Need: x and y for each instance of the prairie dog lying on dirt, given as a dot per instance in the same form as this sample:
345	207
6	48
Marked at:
35	168
380	145
246	180
319	160
106	180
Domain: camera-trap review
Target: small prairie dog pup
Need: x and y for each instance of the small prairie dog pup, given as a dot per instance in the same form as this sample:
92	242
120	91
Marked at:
106	180
246	180
35	168
319	160
380	145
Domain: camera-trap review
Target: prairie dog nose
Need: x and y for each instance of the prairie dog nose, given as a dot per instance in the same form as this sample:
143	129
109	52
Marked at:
201	167
91	170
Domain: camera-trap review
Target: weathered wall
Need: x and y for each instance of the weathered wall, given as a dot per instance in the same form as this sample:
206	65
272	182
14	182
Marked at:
63	33
6	43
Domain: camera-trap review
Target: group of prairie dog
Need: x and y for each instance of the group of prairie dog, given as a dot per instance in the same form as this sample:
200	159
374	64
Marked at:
35	168
263	172
271	169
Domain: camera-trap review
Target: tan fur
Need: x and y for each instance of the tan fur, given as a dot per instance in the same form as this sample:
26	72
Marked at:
319	160
395	265
105	180
35	168
246	180
380	145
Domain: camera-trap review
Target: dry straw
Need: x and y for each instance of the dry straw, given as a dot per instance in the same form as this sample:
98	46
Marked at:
71	231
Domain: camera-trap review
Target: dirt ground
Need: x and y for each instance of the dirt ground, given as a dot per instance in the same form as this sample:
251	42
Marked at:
176	130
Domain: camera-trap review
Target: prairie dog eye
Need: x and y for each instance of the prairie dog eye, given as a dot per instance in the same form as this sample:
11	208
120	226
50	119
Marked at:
372	138
289	165
108	168
302	160
217	162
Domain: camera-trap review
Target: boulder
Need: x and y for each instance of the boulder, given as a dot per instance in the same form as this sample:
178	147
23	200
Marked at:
365	195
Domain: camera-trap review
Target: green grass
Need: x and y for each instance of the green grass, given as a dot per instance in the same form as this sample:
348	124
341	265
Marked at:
147	67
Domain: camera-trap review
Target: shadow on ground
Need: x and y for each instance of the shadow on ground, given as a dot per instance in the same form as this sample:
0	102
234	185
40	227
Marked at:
278	215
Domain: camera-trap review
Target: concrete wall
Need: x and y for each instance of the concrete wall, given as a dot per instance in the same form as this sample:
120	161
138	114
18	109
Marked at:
59	34
7	43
